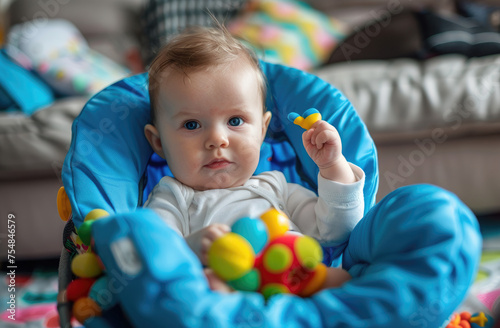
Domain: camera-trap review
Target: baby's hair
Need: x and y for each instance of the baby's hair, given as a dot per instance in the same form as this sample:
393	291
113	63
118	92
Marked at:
198	48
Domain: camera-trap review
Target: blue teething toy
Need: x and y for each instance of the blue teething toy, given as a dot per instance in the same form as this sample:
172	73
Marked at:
307	119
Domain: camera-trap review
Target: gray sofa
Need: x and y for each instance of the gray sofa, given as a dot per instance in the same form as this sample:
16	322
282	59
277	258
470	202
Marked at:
435	121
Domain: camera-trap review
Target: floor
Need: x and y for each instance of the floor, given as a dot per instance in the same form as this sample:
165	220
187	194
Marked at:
484	294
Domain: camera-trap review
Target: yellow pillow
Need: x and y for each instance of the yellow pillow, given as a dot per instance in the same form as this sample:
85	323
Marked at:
288	32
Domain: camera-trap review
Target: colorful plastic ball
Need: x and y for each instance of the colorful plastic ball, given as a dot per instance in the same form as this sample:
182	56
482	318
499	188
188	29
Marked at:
277	223
231	256
95	214
86	265
464	324
308	252
271	289
316	282
85	308
79	288
465	315
253	230
249	282
279	266
85	232
102	295
277	258
85	229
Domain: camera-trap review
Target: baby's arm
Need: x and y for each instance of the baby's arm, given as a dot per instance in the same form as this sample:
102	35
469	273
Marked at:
323	144
332	216
201	240
335	277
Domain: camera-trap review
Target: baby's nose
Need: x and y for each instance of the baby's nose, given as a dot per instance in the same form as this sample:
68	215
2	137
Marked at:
216	138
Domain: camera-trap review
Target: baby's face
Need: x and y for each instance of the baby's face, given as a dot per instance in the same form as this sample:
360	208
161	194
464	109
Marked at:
211	126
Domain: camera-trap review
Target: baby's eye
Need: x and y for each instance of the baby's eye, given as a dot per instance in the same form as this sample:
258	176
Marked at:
191	125
236	121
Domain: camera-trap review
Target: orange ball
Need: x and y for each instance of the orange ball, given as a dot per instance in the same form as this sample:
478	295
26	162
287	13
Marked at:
464	324
85	308
277	223
465	315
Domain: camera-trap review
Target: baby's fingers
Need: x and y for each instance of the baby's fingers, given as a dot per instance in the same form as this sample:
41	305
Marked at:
324	133
210	234
324	137
205	246
307	137
216	230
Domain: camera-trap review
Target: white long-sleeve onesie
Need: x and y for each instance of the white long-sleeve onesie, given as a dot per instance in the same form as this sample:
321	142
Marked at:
328	217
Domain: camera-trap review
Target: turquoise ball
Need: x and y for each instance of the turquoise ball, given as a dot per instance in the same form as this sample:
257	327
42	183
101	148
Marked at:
253	230
104	293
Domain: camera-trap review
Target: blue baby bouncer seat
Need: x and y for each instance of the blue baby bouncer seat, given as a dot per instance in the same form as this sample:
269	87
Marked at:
412	257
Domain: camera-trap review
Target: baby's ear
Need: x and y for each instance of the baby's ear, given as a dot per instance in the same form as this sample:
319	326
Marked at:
266	119
154	139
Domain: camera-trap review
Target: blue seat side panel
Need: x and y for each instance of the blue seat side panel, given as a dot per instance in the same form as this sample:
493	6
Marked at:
108	152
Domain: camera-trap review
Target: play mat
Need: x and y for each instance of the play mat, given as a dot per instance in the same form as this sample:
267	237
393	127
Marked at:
36	293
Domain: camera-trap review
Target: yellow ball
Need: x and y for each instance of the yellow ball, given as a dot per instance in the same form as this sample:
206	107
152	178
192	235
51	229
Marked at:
86	265
308	252
95	214
277	223
231	256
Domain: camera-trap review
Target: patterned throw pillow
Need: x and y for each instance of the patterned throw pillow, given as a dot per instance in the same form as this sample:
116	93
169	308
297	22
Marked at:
288	32
162	19
57	52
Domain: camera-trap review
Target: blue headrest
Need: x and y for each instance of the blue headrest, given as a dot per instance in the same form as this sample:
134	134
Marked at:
109	154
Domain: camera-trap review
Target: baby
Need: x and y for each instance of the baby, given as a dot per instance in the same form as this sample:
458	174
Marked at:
209	120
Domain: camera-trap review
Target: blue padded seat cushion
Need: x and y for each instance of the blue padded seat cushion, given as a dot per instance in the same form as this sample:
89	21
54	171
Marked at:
109	154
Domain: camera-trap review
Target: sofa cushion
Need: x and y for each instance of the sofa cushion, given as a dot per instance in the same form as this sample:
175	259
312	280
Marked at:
402	99
435	121
35	146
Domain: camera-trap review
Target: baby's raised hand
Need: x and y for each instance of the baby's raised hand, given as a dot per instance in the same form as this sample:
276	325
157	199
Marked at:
201	240
323	144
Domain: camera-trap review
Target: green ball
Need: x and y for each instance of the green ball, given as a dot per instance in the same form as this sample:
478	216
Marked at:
274	289
84	232
249	282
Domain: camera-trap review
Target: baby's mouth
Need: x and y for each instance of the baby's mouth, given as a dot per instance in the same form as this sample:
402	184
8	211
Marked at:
218	163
